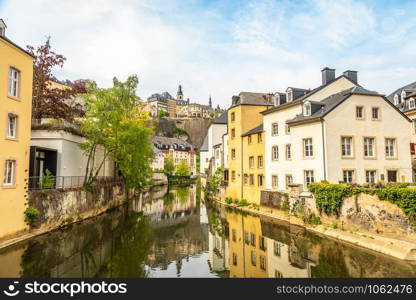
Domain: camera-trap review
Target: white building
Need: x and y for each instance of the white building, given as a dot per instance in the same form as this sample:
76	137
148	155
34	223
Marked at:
339	132
204	156
158	162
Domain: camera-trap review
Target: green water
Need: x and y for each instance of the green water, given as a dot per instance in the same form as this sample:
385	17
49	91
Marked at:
171	232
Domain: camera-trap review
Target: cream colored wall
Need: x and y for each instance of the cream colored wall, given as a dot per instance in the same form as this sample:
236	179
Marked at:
342	121
335	87
12	199
225	150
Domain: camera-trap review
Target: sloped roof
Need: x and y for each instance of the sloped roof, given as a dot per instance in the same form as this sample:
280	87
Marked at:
257	129
331	102
409	86
15	45
170	141
250	98
221	119
204	146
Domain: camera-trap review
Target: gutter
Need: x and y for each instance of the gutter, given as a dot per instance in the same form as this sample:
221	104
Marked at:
323	148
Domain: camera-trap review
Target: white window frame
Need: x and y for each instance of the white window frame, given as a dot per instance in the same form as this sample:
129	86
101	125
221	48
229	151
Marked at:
361	109
260	162
9	172
251	162
14	82
275	181
309	177
307	109
369	147
275	129
12	132
396	99
375	109
275	153
308	147
288	151
412	104
349	175
373	177
346	148
390	147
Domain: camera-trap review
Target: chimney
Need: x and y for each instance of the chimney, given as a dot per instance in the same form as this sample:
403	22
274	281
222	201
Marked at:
352	75
2	28
327	75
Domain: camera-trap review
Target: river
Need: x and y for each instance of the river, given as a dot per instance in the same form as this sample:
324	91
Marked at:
172	232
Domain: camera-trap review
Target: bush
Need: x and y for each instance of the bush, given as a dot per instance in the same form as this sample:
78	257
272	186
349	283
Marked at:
314	220
244	202
228	200
31	215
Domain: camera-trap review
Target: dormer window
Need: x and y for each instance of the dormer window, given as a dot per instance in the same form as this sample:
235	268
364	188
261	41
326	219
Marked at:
403	95
412	103
276	99
307	110
396	99
289	95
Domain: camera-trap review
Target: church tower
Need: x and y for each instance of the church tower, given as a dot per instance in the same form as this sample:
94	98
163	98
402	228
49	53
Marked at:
210	101
179	94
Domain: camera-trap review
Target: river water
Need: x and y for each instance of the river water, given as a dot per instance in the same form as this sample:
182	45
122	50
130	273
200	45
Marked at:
171	232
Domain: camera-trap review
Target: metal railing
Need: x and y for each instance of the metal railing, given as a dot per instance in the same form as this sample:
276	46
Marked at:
63	182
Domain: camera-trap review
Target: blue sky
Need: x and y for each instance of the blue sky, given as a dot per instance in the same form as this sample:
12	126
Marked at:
222	47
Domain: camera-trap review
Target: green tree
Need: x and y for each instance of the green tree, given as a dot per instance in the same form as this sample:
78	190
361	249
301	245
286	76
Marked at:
182	169
169	166
161	114
115	124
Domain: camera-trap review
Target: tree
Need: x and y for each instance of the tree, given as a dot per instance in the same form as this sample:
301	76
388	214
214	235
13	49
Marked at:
182	169
50	101
116	124
161	114
169	166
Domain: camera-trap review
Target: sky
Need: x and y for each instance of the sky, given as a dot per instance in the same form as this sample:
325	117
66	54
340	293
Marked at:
221	48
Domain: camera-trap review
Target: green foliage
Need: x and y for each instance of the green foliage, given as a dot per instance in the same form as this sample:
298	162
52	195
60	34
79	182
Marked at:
228	200
244	202
216	180
314	220
31	215
117	125
48	181
182	169
161	114
169	166
285	206
179	131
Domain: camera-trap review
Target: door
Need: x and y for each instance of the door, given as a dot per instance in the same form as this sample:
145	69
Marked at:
392	176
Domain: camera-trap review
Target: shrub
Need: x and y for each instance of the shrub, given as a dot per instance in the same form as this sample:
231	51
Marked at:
285	206
31	215
244	202
314	220
228	200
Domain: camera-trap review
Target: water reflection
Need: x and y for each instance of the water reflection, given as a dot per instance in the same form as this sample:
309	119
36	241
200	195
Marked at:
170	232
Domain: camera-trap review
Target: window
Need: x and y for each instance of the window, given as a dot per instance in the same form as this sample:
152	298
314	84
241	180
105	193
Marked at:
375	113
259	138
289	180
390	148
14	77
253	239
260	162
309	177
359	112
232	117
232	153
234	234
287	129
11	126
262	262
396	99
260	180
245	179
246	238
262	243
275	129
253	258
276	99
348	176
370	176
233	177
234	259
9	172
307	111
249	139
307	147
412	103
274	181
251	162
277	251
278	274
289	95
275	153
251	179
232	133
288	151
369	147
346	146
403	95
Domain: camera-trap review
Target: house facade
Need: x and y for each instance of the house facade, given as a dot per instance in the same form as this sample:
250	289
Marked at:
16	71
243	115
179	150
339	132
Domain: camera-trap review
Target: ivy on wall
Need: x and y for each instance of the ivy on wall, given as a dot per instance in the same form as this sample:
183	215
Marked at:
329	197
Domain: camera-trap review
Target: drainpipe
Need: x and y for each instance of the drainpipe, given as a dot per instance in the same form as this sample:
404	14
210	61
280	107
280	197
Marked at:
323	148
242	168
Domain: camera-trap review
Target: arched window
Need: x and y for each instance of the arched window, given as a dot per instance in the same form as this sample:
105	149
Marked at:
403	96
307	109
396	99
276	99
289	95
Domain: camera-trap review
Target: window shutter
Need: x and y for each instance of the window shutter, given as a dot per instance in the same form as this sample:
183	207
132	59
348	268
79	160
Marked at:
412	148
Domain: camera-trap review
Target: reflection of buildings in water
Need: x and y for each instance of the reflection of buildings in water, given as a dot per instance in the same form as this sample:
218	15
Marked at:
11	262
285	262
218	252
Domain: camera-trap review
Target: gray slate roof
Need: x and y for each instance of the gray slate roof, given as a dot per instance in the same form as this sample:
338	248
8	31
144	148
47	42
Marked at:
162	142
329	103
410	86
221	119
204	146
257	129
249	98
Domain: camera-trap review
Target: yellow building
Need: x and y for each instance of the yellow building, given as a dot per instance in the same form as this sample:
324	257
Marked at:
16	73
253	164
243	115
248	247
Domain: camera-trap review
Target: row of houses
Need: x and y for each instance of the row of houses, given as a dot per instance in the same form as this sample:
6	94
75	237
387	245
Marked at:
337	132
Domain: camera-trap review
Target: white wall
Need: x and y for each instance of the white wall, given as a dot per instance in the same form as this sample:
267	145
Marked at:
342	122
204	161
225	150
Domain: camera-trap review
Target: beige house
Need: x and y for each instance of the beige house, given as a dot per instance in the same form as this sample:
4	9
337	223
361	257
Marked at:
339	132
